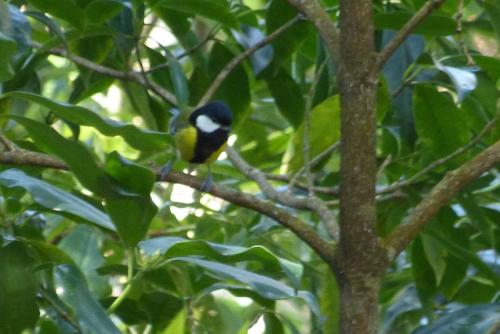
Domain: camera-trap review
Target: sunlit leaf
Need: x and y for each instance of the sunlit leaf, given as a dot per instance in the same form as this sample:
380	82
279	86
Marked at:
55	199
140	139
170	247
265	286
73	291
324	132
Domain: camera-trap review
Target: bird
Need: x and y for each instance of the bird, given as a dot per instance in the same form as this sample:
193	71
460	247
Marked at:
202	137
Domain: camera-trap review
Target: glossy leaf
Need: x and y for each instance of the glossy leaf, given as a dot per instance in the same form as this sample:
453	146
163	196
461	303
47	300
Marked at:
83	246
73	291
170	247
178	79
72	153
466	320
264	286
464	80
140	139
55	199
440	125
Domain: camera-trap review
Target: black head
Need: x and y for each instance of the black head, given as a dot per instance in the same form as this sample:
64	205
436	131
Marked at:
217	111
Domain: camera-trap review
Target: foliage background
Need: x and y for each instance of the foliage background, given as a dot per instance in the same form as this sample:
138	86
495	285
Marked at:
72	242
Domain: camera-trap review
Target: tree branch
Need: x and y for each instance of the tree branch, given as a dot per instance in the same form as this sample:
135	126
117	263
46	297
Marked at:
319	17
110	72
239	58
308	203
439	196
406	31
306	233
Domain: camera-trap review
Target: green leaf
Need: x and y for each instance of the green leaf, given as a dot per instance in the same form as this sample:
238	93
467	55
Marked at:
273	324
66	10
72	153
8	49
435	254
131	215
134	177
288	96
433	25
178	79
140	139
440	124
263	285
217	10
235	89
422	273
100	11
492	8
82	245
466	320
170	247
18	288
55	199
50	23
464	253
73	291
324	132
278	13
478	217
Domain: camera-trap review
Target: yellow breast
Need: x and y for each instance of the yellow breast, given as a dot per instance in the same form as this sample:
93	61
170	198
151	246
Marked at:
185	140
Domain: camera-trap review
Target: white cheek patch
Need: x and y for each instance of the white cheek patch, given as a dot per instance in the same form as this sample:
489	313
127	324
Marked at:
205	124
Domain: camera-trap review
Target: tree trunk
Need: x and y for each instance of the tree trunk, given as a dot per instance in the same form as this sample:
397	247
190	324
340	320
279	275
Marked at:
359	304
359	265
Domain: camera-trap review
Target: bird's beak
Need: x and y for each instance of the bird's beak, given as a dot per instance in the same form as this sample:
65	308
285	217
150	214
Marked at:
226	128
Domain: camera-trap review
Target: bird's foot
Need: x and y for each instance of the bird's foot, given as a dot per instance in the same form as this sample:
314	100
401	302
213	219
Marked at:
165	170
207	184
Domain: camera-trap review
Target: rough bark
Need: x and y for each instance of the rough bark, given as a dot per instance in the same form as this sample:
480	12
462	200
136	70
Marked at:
359	266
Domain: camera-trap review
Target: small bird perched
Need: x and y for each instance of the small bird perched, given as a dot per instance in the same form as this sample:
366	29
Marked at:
203	137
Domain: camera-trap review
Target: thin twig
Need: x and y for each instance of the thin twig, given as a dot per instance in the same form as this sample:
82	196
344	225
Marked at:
439	162
8	145
460	38
110	72
238	59
406	31
189	51
307	128
314	161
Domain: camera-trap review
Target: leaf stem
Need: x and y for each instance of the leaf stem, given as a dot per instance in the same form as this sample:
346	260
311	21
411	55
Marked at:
130	281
